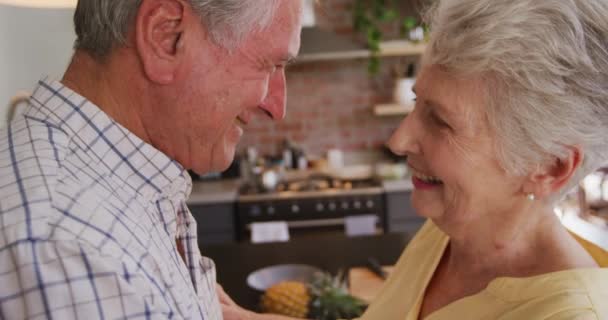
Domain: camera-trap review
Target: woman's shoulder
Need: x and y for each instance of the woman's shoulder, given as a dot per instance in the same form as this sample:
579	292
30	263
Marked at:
428	235
425	249
405	286
575	289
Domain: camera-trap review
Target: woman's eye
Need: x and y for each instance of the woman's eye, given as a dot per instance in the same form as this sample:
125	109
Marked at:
438	121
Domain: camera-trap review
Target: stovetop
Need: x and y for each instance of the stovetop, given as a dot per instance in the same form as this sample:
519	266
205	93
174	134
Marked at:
312	187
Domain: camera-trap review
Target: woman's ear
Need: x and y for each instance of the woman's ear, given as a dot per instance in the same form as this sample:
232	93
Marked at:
551	177
158	34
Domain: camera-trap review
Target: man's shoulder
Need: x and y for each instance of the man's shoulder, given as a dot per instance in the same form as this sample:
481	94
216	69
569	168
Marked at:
50	189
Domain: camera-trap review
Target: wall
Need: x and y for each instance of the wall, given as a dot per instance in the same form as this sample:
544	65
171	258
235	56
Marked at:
33	43
329	104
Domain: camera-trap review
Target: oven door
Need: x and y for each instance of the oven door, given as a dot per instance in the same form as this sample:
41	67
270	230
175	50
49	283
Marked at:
310	217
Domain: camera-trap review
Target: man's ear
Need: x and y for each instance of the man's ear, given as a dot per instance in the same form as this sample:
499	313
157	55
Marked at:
551	177
158	33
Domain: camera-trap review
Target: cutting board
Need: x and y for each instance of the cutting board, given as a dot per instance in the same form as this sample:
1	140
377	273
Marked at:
364	284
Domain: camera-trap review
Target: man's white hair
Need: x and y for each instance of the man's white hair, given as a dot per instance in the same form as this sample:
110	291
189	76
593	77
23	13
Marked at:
103	24
545	63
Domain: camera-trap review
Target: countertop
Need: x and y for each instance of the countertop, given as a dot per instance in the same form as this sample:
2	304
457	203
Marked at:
222	191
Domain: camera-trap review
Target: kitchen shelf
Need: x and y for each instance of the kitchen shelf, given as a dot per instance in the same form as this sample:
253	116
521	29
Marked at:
392	109
387	49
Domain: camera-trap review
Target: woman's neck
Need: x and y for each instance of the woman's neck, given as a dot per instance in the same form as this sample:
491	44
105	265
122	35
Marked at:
517	245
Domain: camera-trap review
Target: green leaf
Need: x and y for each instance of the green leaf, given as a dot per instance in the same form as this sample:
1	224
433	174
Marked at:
374	65
409	23
388	15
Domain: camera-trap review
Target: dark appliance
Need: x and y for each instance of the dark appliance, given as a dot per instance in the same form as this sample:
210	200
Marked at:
316	205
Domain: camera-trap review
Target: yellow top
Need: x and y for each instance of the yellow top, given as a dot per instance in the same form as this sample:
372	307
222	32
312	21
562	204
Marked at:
580	294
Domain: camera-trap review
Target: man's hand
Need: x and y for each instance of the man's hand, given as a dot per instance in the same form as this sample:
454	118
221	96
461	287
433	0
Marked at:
232	311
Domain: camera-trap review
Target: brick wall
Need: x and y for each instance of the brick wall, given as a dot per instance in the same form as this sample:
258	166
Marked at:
329	104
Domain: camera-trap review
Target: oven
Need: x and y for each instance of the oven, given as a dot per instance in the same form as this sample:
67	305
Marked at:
312	207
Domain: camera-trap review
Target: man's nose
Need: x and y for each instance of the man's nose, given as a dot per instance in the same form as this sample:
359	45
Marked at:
404	140
274	104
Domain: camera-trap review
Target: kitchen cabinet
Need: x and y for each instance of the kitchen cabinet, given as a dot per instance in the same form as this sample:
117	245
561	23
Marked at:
400	215
213	206
215	222
234	262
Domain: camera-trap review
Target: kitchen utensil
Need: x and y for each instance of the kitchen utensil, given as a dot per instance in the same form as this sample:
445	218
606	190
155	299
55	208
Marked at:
264	278
387	171
375	267
352	172
269	179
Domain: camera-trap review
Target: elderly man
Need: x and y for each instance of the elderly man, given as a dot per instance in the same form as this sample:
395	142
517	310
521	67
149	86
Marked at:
93	218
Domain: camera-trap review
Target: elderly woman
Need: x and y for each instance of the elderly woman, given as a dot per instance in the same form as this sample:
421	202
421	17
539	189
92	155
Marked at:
511	112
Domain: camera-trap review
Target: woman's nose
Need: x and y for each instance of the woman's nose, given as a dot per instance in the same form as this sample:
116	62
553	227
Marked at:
404	141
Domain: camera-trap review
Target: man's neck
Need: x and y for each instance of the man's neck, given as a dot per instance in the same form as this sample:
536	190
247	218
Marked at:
110	87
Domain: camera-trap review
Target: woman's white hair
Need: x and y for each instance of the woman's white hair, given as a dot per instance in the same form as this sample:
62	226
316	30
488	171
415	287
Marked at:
103	24
545	63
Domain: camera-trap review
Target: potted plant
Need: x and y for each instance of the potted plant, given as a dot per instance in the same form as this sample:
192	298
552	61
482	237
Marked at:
372	17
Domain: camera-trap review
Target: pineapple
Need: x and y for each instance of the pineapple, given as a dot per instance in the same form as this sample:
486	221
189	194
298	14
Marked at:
325	298
290	298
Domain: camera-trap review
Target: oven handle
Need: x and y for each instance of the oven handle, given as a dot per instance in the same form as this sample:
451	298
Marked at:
303	224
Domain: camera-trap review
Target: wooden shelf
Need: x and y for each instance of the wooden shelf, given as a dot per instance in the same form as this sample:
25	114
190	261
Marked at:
387	49
392	109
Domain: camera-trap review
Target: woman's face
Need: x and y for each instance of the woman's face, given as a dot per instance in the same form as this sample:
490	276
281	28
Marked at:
449	149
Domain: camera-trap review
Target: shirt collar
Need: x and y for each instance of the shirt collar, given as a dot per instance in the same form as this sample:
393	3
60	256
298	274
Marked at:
124	155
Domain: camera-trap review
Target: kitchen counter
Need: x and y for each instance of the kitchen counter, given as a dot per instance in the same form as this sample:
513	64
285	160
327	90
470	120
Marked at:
234	262
222	191
213	192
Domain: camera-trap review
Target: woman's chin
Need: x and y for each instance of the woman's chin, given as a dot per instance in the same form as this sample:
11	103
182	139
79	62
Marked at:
426	207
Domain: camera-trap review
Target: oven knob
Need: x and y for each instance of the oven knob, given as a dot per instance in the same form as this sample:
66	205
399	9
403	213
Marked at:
369	204
344	205
357	204
332	206
255	211
320	207
270	210
295	208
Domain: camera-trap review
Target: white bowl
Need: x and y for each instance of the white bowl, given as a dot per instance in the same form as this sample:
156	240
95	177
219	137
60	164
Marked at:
265	278
352	172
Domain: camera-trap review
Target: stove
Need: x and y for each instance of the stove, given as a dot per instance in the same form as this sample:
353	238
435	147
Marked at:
317	204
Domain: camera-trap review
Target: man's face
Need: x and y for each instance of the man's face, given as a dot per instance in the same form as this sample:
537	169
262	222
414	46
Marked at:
217	92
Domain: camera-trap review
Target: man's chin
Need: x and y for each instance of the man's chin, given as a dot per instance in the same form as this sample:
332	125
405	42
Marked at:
216	166
218	160
222	161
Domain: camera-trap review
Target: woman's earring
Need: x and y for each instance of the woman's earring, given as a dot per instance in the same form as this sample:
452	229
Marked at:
531	196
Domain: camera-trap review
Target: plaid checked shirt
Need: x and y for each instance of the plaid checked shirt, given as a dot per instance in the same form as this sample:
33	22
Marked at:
89	218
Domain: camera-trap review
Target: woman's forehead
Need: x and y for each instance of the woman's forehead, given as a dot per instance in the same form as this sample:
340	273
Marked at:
462	98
